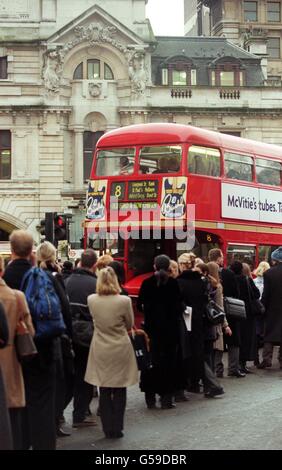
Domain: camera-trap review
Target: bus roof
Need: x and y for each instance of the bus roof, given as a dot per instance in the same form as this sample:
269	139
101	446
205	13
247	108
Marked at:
166	133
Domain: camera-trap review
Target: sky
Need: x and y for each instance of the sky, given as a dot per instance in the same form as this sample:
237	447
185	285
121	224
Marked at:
166	17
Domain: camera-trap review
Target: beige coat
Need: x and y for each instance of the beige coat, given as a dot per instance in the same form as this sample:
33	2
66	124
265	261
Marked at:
16	308
111	360
219	344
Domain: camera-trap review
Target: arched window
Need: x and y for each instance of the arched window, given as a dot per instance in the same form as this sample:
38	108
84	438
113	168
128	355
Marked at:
78	73
93	69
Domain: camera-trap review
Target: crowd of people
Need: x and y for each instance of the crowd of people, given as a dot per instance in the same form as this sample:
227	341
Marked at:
92	352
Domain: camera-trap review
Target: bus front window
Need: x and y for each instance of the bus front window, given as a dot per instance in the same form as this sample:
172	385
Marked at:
114	162
164	159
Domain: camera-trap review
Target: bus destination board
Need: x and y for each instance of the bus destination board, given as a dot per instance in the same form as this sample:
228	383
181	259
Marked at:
142	190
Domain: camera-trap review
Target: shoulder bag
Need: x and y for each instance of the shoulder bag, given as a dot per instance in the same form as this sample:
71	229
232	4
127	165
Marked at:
234	308
24	344
214	313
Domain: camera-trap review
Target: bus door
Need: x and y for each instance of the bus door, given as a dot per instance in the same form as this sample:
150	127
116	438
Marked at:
240	252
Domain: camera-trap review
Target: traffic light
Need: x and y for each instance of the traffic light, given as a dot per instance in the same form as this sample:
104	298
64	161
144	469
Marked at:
46	228
60	228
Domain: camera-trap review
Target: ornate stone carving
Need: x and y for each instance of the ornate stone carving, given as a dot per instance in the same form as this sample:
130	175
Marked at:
137	73
95	89
52	70
94	34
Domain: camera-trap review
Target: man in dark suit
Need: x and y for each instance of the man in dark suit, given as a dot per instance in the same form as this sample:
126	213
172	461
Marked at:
230	289
272	300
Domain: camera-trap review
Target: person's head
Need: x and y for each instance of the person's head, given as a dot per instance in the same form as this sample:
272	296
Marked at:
123	161
107	282
161	266
262	267
202	268
1	266
198	260
21	244
174	270
119	270
186	261
67	266
237	267
88	259
276	255
216	255
247	270
104	261
213	270
46	255
163	164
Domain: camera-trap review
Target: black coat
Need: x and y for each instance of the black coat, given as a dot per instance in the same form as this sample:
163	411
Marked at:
272	300
247	292
15	272
162	308
194	293
79	286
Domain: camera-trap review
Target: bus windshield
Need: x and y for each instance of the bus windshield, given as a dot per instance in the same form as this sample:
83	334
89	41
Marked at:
164	159
113	162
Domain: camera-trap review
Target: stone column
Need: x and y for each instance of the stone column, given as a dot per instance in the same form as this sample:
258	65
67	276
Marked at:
78	158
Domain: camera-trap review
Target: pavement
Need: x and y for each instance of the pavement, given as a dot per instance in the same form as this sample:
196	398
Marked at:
247	417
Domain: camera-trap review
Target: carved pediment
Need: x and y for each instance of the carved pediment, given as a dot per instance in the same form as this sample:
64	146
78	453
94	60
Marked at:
94	27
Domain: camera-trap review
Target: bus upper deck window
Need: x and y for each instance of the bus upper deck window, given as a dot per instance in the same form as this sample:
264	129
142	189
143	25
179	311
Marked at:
238	167
164	159
119	161
268	172
204	161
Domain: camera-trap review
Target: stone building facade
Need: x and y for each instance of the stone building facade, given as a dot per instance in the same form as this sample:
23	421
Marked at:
70	71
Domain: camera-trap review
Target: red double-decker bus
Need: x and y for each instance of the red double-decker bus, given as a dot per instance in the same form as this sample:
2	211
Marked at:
147	180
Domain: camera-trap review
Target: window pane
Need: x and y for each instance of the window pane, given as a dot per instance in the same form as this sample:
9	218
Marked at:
179	78
165	159
204	161
273	47
273	11
268	172
5	139
78	73
226	78
164	77
238	167
90	140
5	164
108	73
119	161
213	78
93	69
243	253
193	77
3	68
250	11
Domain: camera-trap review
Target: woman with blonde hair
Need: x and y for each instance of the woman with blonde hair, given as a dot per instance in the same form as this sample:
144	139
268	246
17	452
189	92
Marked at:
259	272
259	282
111	363
174	270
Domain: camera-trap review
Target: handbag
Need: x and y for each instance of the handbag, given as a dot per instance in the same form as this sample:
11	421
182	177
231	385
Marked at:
25	347
214	313
234	308
140	342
